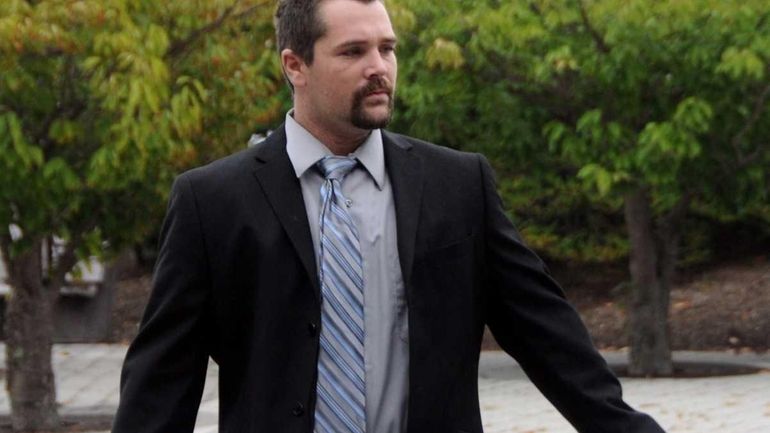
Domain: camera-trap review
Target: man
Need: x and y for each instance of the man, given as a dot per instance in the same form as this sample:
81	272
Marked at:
341	275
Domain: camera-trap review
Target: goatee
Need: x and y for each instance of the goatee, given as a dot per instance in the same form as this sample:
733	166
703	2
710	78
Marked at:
359	117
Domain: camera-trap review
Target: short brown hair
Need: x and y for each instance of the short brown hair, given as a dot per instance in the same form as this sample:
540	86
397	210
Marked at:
298	27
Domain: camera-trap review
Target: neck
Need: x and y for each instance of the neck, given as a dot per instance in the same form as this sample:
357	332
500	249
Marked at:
340	141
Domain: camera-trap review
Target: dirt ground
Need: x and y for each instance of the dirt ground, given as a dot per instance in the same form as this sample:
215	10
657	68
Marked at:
725	307
69	423
722	308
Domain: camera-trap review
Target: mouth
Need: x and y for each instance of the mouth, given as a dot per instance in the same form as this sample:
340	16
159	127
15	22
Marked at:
376	93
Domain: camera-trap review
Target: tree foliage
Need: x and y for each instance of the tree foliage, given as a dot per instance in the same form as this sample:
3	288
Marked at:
102	103
611	95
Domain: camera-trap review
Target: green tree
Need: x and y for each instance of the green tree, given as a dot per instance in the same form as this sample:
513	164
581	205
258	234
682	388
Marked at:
660	108
102	102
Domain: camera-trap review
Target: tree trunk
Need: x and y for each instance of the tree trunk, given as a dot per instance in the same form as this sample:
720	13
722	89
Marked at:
651	268
29	331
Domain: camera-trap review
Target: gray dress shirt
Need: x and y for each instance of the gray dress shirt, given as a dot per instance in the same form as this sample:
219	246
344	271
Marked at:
386	342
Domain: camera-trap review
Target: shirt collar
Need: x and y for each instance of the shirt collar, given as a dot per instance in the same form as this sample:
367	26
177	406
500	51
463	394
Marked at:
305	150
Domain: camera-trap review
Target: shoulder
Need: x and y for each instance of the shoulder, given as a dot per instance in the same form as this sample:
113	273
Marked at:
239	166
425	149
435	156
223	169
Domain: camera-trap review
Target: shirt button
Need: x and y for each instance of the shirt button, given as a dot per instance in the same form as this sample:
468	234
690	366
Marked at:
312	329
348	202
298	410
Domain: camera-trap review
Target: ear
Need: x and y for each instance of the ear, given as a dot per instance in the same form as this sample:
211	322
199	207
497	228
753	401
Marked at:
294	67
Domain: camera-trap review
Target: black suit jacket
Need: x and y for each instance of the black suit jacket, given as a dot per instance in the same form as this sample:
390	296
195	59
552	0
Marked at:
236	280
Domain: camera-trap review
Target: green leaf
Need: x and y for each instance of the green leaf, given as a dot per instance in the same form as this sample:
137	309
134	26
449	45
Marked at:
153	101
590	121
598	176
91	63
694	115
741	63
445	54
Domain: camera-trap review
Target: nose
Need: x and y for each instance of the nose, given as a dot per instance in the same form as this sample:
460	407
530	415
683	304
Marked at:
377	65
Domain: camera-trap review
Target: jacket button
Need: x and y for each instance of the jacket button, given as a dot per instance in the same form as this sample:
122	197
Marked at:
312	329
298	410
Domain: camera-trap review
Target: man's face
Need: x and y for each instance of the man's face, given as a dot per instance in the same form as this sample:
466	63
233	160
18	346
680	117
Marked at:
352	79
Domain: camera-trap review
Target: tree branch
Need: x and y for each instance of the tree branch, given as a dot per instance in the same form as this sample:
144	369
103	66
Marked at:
68	259
753	157
759	108
677	213
180	47
601	45
46	53
5	247
68	106
518	84
65	262
762	20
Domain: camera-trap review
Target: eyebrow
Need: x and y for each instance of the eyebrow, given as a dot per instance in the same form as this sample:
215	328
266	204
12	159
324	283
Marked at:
355	43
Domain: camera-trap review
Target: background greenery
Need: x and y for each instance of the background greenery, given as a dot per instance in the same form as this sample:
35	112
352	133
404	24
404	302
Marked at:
604	118
573	100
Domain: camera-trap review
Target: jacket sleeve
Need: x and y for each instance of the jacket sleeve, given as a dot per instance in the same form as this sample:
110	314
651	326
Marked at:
528	314
165	367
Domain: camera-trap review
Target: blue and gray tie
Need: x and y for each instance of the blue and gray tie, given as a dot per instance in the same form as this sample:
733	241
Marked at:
341	388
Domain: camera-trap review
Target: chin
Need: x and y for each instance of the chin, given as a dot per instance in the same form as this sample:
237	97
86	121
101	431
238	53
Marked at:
371	122
371	119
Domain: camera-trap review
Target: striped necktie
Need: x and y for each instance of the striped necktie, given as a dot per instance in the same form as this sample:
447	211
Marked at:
341	387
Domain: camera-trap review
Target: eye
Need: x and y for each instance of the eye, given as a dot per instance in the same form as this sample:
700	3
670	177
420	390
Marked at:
388	49
352	52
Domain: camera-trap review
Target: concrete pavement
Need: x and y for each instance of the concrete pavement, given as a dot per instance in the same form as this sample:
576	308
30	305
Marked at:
87	377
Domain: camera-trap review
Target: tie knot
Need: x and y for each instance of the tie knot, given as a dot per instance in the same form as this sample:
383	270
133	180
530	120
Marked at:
336	167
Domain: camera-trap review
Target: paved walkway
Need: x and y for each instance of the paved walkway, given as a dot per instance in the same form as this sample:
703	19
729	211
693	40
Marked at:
87	381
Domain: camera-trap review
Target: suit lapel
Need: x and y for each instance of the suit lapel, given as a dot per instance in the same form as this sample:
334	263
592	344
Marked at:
275	175
405	173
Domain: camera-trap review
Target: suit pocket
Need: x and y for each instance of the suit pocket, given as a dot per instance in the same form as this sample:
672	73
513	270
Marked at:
446	251
445	277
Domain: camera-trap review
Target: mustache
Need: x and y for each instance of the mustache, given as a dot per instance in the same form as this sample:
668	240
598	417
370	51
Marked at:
376	84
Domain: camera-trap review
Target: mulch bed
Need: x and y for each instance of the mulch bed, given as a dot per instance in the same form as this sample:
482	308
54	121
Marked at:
727	307
69	424
723	308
